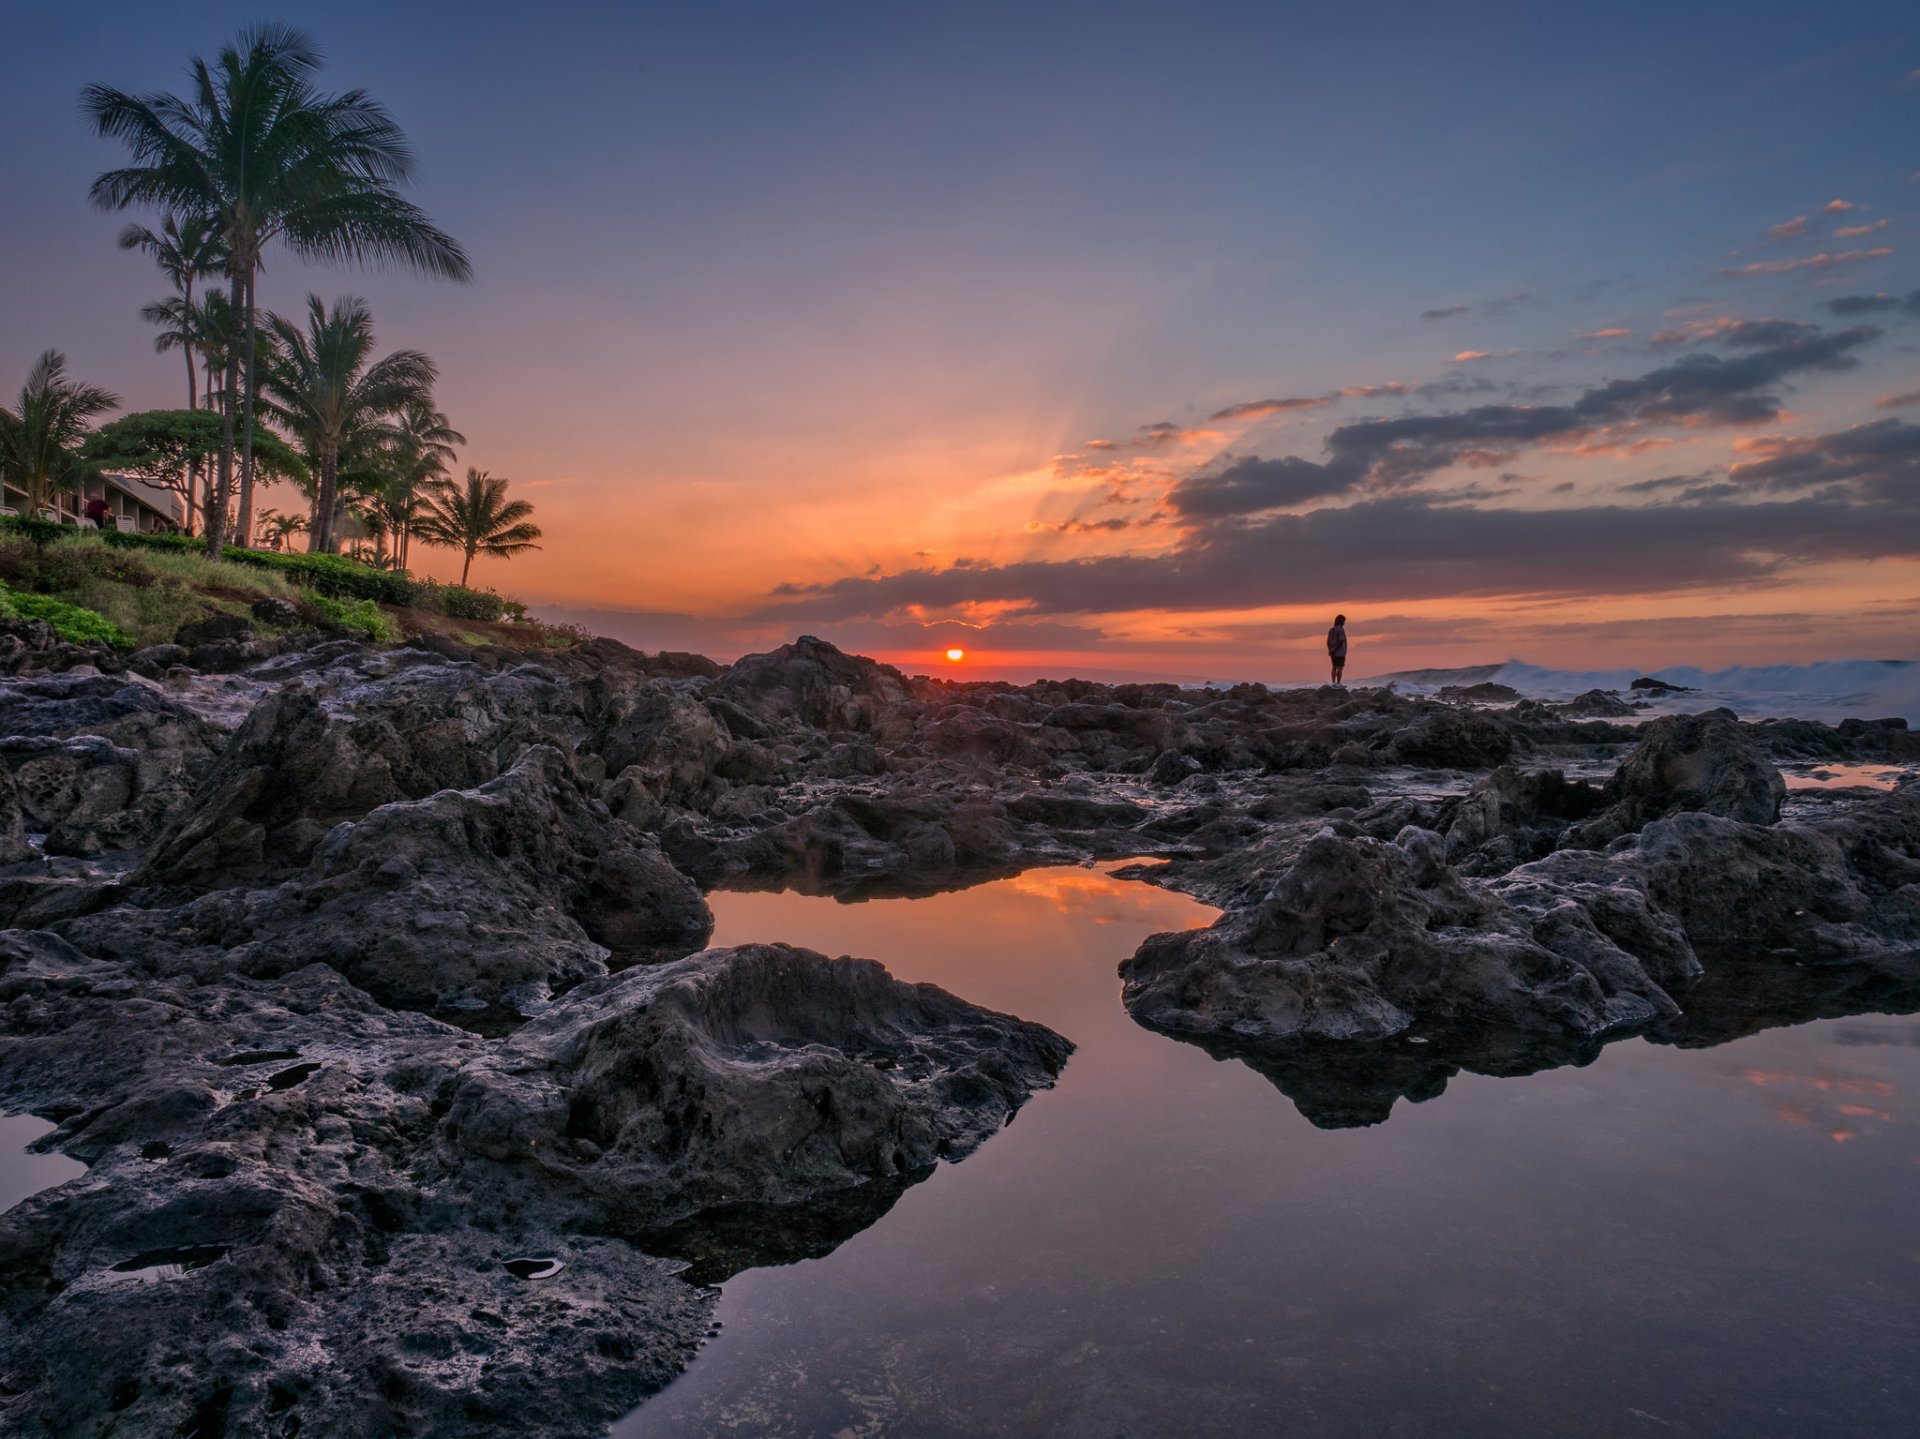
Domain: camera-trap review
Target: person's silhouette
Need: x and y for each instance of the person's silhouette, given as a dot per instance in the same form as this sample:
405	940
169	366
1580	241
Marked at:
1337	647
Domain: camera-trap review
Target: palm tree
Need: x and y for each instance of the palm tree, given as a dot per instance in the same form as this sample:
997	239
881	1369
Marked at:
420	448
280	529
186	250
323	385
262	155
477	517
40	441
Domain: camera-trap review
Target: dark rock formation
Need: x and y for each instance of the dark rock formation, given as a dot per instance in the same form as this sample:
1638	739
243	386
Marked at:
1700	763
1348	939
1596	704
252	876
303	1206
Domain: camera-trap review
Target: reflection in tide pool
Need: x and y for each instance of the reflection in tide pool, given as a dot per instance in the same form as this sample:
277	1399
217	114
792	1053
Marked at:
1722	1241
23	1173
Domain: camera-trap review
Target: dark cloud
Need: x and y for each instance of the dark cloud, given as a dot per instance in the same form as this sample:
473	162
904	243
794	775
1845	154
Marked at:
1257	409
1734	332
1697	389
1491	309
1849	305
1407	547
1251	486
1880	460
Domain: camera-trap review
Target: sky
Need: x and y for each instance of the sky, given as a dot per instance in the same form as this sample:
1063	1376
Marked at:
1120	338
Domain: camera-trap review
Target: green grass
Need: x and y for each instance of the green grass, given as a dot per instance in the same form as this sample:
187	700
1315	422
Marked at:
144	587
73	623
363	617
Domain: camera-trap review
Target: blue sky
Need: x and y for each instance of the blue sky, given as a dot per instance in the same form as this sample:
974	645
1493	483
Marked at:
773	295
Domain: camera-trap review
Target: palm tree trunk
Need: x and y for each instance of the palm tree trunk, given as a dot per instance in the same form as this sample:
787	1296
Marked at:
320	526
186	349
223	486
467	566
246	437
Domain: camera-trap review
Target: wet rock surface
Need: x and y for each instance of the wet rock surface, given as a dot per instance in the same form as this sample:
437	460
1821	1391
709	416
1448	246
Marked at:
370	985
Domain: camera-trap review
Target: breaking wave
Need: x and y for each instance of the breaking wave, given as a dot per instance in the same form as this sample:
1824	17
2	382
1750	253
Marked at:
1829	690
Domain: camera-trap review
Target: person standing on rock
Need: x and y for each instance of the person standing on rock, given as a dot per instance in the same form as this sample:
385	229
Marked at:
1337	647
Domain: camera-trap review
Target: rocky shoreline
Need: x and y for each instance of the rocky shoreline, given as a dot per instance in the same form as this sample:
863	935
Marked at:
370	982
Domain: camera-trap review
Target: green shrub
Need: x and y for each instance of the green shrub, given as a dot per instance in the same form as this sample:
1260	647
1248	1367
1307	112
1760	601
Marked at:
71	622
41	532
363	617
458	602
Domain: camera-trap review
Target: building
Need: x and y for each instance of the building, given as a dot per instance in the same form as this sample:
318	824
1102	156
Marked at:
134	504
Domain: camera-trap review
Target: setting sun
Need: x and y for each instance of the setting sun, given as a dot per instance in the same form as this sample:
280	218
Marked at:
956	655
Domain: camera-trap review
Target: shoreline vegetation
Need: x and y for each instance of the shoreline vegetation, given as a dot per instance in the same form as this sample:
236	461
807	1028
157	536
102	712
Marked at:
251	159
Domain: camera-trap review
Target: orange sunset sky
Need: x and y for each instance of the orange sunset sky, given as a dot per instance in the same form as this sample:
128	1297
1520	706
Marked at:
1128	343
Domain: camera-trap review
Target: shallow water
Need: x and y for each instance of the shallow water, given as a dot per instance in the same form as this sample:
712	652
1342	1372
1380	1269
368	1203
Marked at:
1720	1241
1878	775
22	1173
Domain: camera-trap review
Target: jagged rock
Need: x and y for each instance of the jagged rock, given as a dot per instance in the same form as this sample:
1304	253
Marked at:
1361	939
1704	763
811	682
270	610
1648	685
342	1190
333	746
1595	704
1454	739
13	822
1510	817
212	629
494	897
759	1075
1486	692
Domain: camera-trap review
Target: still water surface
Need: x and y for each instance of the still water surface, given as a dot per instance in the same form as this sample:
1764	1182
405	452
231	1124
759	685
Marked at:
1706	1242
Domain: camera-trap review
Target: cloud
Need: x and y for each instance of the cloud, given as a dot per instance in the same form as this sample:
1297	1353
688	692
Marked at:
1469	357
1849	305
1612	332
1789	229
1854	232
1897	402
1879	461
1258	409
1840	207
1697	389
1492	309
1165	432
1251	486
1407	547
1733	331
1821	261
1086	527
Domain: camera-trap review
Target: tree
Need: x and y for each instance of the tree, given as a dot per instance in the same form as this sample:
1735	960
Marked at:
185	250
477	517
280	529
262	155
325	388
40	440
418	450
166	448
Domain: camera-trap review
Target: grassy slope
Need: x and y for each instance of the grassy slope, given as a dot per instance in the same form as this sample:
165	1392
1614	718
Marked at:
148	594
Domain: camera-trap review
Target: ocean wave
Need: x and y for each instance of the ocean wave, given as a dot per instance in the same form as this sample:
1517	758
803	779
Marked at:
1828	690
